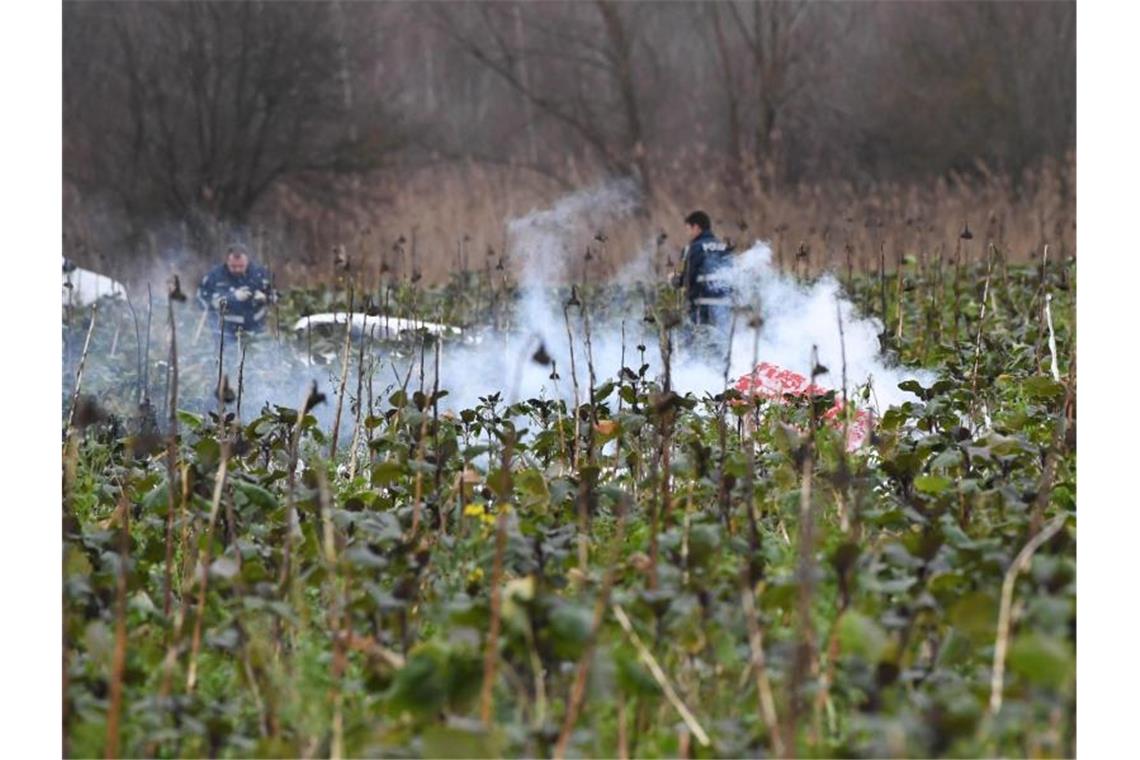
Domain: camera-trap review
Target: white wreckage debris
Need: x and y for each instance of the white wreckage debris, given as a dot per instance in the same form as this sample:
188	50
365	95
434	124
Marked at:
380	328
82	286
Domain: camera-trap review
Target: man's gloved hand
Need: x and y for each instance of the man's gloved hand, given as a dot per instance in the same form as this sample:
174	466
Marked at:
216	301
243	293
259	296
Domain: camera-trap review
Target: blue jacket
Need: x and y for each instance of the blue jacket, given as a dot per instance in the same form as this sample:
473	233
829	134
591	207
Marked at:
702	258
247	297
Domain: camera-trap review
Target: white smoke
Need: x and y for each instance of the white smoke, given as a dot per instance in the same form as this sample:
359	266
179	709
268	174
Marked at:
550	243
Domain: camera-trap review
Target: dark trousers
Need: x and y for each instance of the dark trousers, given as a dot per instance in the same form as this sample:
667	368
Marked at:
709	314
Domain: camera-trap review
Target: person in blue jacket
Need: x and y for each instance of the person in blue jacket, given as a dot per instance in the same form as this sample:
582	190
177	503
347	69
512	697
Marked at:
702	275
244	288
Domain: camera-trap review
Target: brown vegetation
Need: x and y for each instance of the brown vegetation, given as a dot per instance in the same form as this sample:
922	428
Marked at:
305	127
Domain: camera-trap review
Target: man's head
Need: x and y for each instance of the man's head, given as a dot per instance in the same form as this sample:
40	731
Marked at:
237	259
696	223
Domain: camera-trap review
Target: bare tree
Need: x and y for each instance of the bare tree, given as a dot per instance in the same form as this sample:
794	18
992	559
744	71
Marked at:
586	58
208	105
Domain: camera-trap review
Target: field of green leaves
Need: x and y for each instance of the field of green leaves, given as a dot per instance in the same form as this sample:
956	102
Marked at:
647	573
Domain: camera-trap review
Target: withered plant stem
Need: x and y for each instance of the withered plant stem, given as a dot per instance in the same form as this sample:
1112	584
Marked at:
1048	471
491	653
574	380
578	689
244	344
759	664
659	676
353	450
343	379
203	565
723	491
119	656
146	349
805	654
981	327
171	461
1001	641
79	369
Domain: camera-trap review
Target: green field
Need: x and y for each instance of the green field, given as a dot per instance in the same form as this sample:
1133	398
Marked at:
649	572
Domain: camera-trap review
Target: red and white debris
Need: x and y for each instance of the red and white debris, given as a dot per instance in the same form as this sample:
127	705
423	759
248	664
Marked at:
775	383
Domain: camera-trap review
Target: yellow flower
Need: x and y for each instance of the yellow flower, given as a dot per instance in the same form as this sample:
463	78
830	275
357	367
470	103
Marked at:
474	510
475	575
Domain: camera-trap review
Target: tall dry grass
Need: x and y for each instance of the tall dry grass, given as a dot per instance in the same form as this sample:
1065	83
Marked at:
423	224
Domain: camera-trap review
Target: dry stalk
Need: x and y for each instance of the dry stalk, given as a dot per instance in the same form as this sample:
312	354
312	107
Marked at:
119	656
1052	339
243	344
1045	485
286	579
578	689
175	642
723	495
844	467
338	613
204	565
1001	642
343	381
353	452
806	657
491	654
417	501
659	675
759	666
574	380
981	326
171	461
899	277
79	369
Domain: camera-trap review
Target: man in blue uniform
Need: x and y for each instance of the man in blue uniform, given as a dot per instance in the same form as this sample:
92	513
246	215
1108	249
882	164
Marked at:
243	287
702	275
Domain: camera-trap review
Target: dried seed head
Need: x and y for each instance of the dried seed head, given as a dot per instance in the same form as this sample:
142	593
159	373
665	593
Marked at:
540	356
315	397
966	234
175	290
225	393
88	412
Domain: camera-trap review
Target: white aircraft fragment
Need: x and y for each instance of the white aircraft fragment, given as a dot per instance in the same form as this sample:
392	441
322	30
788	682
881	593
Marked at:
379	327
82	286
